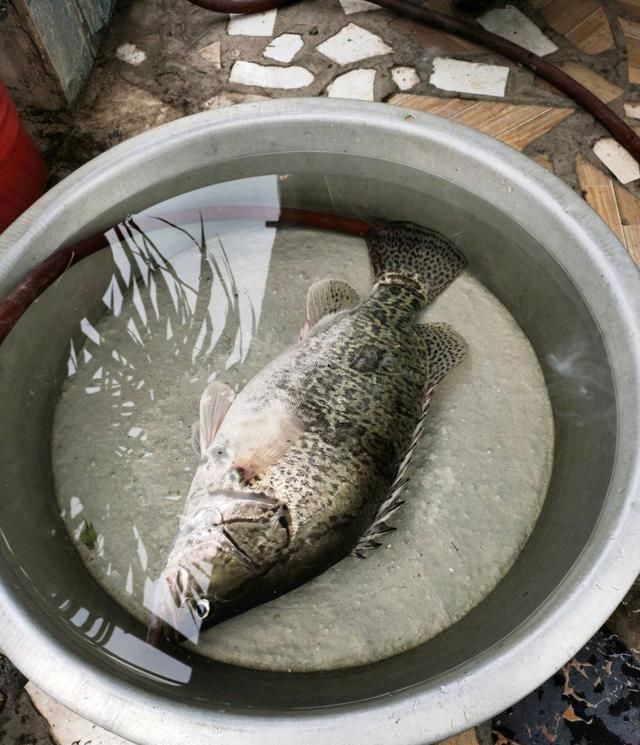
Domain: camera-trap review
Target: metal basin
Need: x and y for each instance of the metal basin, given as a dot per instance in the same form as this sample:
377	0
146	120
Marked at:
537	247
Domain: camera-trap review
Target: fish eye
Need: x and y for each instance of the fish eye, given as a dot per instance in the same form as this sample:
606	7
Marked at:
202	608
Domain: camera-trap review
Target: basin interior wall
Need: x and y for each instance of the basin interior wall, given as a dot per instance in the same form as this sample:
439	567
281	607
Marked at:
41	566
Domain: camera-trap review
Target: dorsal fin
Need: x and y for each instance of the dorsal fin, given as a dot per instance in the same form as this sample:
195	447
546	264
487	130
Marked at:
325	298
443	349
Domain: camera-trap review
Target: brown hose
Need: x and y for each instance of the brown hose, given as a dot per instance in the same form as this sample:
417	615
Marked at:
621	131
240	6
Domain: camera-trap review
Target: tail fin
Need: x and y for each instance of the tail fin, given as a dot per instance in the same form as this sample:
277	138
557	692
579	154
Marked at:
418	258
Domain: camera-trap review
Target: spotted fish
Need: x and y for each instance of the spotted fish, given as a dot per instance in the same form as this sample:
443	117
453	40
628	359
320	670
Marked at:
306	464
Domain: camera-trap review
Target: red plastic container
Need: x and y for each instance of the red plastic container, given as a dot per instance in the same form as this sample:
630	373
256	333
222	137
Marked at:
23	173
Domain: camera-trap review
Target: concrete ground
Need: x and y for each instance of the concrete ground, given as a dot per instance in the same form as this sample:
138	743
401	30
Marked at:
164	59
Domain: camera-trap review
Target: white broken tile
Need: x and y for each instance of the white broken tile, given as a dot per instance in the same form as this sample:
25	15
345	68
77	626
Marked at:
405	77
357	6
352	44
211	53
469	77
230	99
66	726
284	47
512	24
632	110
269	76
256	24
130	54
355	84
623	165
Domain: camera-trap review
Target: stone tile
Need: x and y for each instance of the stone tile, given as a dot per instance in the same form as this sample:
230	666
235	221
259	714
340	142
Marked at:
469	77
405	77
598	189
631	31
512	24
268	76
630	8
435	42
284	47
130	54
357	6
211	54
67	728
355	84
598	85
352	44
623	165
620	209
632	110
517	125
582	22
256	24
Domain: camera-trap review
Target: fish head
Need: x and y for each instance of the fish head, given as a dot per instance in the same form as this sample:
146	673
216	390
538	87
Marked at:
219	555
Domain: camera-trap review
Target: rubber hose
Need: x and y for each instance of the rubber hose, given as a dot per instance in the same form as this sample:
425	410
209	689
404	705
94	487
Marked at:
620	130
240	6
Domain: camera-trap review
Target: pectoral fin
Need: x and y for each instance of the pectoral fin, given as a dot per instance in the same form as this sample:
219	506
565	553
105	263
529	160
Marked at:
214	404
258	441
326	298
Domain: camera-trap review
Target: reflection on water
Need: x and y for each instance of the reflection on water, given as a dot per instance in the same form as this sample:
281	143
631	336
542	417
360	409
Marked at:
130	650
186	299
180	292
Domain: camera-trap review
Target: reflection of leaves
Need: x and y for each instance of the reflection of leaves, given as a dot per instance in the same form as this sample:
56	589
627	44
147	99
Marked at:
185	319
89	535
98	629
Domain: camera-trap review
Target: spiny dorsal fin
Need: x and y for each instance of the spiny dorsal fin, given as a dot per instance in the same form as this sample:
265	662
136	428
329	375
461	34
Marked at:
214	404
444	349
326	297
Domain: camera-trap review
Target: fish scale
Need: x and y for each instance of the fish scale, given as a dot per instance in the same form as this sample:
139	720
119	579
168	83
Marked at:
306	464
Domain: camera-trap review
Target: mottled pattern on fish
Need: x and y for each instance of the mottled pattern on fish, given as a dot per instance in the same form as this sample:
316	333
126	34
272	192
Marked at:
357	386
297	466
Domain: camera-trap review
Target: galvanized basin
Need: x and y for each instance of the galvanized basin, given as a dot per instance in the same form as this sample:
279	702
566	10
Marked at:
566	280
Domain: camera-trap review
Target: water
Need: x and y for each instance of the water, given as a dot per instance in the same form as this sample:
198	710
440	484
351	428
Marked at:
161	317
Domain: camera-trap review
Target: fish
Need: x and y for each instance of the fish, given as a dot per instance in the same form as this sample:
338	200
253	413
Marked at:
307	463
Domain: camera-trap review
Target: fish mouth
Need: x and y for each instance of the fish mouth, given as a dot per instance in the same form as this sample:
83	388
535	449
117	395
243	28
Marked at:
173	616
